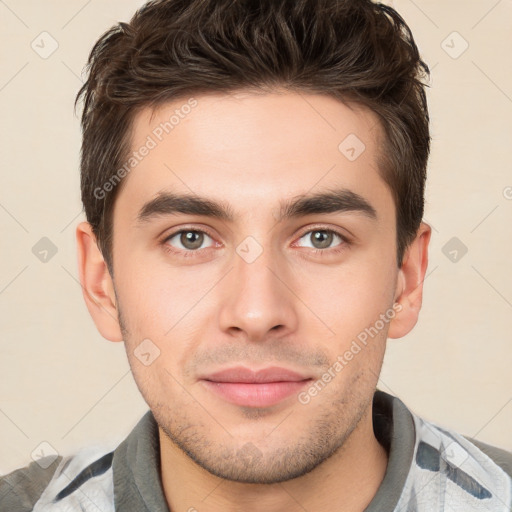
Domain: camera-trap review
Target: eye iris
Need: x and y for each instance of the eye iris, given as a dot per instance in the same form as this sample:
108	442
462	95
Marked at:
191	239
324	238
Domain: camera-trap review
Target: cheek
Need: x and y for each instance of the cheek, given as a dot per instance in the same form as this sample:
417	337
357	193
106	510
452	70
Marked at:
155	298
349	298
169	307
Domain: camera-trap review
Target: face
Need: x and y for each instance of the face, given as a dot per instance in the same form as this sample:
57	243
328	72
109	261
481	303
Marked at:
267	271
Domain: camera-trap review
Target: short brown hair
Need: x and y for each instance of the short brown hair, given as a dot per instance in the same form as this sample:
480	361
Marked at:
353	50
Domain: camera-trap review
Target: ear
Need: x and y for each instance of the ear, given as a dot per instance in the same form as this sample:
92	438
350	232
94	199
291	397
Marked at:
409	287
97	285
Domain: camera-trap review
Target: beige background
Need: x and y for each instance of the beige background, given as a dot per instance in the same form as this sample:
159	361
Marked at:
63	384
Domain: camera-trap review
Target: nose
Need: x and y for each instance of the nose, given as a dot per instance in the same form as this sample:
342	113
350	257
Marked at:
258	299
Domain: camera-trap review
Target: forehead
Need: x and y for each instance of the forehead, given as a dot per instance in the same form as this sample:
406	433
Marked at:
248	147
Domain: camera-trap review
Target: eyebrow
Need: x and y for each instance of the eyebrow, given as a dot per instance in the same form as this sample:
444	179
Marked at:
331	201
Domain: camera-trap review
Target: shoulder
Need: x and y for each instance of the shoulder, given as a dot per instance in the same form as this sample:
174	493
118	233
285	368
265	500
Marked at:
50	484
22	488
469	472
499	456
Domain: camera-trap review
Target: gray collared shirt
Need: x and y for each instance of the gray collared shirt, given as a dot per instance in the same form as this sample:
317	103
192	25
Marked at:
429	469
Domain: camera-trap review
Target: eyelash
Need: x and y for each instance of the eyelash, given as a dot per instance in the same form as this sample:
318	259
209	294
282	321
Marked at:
195	253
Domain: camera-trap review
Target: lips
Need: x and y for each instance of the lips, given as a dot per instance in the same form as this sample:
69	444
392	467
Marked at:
249	388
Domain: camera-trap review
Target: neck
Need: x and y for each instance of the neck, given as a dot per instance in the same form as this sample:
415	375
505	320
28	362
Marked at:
348	480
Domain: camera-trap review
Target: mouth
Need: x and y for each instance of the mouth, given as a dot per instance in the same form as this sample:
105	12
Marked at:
263	388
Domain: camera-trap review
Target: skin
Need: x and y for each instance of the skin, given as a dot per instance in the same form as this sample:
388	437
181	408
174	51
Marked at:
289	307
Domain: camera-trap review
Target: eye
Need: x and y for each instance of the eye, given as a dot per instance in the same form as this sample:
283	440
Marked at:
190	239
323	238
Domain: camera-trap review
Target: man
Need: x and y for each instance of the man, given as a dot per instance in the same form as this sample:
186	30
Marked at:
253	177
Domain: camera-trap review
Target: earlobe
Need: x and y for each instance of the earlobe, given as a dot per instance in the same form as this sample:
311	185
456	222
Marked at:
97	285
409	288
